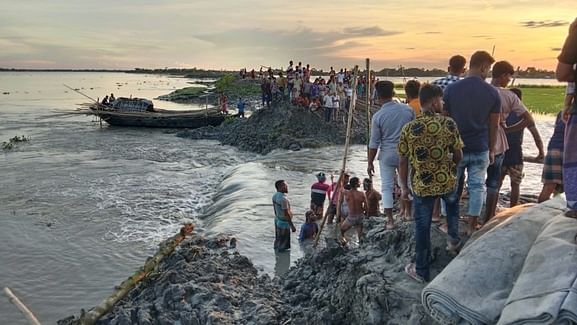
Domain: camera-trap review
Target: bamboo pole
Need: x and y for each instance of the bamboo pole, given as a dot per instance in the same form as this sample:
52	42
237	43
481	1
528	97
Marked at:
368	98
23	309
165	249
346	153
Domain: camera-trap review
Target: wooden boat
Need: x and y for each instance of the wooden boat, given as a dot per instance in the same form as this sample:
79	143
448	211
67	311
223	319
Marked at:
140	112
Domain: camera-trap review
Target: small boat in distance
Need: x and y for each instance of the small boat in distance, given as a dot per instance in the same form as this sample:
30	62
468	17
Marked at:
140	112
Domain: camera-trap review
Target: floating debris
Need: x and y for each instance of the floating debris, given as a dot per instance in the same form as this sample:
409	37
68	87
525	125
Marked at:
10	144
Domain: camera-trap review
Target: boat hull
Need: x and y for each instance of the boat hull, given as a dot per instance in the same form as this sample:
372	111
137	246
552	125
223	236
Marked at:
155	120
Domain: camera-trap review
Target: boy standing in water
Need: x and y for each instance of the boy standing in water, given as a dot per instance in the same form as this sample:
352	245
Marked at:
283	217
357	204
319	191
310	229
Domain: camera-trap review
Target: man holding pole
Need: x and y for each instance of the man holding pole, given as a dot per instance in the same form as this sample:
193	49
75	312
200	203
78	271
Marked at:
386	127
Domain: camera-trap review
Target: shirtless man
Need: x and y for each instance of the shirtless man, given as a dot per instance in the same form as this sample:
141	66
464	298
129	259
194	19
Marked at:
373	198
357	203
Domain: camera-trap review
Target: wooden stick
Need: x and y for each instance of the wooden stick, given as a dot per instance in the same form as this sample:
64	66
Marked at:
165	249
347	144
23	309
81	93
532	160
368	97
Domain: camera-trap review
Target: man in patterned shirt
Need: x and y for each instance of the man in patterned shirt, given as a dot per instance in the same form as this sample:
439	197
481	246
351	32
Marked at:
432	145
456	70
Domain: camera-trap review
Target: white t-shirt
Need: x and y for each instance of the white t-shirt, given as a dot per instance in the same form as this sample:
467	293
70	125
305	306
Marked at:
335	99
328	101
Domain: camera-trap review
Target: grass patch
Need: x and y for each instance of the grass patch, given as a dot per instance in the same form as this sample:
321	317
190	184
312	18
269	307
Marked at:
544	100
184	94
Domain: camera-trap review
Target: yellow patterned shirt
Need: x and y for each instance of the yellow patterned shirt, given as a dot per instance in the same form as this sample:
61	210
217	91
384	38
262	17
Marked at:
428	143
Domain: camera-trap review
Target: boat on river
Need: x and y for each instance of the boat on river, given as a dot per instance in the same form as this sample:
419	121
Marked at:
141	112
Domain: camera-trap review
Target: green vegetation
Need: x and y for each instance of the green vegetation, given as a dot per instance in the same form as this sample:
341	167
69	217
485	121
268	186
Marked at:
544	100
184	95
232	86
13	141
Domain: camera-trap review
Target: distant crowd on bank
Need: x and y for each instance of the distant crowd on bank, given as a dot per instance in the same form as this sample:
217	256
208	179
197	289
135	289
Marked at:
297	85
458	132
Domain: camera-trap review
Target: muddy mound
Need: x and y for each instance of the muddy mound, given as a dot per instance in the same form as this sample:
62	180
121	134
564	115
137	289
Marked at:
283	126
207	282
364	285
204	282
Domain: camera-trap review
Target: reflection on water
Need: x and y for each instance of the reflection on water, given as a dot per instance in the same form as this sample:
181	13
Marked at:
282	263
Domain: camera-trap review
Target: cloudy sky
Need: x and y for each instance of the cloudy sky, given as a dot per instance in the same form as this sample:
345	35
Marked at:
231	34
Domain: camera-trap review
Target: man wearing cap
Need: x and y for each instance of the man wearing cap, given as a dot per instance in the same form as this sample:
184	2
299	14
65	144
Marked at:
319	191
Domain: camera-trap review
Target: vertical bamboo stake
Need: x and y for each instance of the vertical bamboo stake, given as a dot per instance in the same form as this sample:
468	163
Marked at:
347	144
368	97
23	309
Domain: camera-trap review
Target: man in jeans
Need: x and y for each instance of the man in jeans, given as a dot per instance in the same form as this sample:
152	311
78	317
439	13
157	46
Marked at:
386	128
476	108
432	145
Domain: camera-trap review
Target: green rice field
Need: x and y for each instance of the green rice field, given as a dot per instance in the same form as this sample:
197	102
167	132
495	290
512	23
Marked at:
538	99
542	99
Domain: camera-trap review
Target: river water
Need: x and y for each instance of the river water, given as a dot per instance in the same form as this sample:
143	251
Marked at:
82	205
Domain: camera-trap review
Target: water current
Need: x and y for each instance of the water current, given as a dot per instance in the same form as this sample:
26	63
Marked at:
82	205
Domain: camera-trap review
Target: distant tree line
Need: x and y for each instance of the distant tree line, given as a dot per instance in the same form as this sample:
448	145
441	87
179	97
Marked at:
530	72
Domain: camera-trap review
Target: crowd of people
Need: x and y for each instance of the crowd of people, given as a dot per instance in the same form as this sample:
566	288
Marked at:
450	128
297	85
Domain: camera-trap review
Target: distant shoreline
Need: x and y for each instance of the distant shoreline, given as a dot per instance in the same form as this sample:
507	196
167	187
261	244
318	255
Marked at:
529	73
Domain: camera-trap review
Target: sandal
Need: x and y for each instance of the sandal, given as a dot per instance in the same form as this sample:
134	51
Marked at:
571	214
442	227
454	248
411	271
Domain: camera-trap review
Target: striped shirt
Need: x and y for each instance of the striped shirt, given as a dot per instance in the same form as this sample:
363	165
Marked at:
319	192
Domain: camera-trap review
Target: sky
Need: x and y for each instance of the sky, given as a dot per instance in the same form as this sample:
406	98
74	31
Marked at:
234	34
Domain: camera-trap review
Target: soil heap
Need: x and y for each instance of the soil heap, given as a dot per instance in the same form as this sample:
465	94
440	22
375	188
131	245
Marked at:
207	282
283	126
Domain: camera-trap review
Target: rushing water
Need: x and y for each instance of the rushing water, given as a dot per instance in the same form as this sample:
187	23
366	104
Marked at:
82	206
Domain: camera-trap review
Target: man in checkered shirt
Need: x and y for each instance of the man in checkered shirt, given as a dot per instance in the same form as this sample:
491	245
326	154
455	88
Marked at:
456	70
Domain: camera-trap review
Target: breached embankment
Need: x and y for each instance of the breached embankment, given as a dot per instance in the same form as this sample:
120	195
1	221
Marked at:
283	126
205	281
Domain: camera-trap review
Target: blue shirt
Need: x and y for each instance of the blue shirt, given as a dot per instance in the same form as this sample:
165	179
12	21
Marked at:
469	102
240	106
386	127
308	231
514	155
280	203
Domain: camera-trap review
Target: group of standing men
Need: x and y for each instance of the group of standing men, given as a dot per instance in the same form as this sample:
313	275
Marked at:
461	126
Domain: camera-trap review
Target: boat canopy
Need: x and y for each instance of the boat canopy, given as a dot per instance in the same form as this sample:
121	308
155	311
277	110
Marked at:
132	104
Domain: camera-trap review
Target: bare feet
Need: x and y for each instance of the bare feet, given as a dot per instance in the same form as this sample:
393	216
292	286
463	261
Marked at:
390	225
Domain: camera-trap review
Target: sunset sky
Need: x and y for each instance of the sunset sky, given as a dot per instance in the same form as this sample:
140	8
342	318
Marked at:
231	34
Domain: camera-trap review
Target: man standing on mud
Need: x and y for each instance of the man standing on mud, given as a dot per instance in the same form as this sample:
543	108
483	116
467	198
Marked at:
283	217
373	198
432	146
475	106
386	128
357	203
